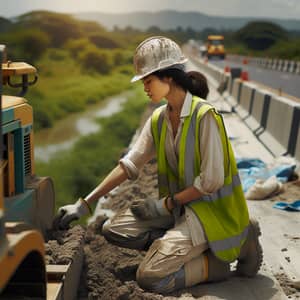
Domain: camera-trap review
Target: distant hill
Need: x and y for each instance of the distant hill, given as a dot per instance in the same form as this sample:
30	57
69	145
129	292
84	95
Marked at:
168	19
4	24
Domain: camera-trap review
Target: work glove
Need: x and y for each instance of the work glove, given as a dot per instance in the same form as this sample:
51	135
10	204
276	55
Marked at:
68	213
147	209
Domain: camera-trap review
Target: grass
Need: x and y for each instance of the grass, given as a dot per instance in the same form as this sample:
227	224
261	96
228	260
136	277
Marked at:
64	87
77	171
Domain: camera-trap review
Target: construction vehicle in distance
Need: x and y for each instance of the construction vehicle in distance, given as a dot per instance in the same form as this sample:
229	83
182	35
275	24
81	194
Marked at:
26	201
215	46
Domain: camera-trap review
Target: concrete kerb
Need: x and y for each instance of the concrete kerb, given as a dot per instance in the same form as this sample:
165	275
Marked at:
281	119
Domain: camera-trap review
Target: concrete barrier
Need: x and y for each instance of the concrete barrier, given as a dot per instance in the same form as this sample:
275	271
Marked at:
286	65
294	141
273	119
228	90
281	117
274	64
297	149
224	80
282	65
292	67
234	98
297	69
246	100
259	111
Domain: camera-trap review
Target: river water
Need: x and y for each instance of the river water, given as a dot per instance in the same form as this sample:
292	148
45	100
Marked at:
67	131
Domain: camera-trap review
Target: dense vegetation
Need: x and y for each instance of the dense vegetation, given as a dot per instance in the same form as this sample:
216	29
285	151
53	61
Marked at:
264	39
261	35
77	172
79	65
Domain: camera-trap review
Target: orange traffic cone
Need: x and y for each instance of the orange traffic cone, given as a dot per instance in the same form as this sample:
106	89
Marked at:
245	61
244	76
227	69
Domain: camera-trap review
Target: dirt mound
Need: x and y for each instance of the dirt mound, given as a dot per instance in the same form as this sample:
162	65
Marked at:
110	270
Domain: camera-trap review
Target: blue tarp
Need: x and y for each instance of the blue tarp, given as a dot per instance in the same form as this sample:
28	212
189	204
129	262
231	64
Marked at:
251	169
294	206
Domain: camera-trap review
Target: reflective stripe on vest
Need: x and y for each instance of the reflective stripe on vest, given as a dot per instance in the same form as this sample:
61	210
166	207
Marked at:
227	204
231	242
224	191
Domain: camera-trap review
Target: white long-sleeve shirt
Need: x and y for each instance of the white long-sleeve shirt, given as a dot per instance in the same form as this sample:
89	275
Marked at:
211	176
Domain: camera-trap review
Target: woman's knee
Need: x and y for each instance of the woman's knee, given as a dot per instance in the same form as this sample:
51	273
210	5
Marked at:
123	240
153	281
147	280
110	235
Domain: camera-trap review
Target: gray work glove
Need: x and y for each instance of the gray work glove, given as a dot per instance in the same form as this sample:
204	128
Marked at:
149	209
68	213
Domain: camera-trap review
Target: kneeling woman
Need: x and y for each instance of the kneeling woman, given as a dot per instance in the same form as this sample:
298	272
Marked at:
199	223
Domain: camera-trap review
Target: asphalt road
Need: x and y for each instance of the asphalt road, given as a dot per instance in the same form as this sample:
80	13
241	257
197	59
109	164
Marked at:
287	82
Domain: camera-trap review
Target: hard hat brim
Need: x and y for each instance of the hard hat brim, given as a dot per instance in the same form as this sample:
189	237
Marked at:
141	76
137	78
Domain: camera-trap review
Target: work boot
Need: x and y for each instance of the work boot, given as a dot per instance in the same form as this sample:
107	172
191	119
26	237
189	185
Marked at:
217	269
251	256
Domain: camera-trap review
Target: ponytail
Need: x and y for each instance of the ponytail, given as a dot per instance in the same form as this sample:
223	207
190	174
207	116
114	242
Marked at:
193	81
198	84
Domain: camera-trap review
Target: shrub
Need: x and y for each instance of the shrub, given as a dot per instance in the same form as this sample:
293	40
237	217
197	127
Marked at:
103	41
96	60
122	57
260	35
59	27
77	46
27	44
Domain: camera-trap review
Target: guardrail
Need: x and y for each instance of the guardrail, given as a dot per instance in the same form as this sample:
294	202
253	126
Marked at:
283	65
275	120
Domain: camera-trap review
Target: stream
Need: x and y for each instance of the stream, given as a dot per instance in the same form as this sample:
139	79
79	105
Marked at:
66	132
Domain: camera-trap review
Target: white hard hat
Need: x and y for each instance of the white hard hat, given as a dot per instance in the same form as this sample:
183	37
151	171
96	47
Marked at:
156	53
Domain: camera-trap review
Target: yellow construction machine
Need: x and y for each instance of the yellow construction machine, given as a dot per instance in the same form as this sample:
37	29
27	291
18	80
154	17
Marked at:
26	201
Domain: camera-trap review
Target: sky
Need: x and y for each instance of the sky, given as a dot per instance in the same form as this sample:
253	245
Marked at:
284	9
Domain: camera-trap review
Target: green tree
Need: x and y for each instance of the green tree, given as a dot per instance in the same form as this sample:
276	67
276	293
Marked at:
59	27
5	24
91	27
260	35
26	44
103	41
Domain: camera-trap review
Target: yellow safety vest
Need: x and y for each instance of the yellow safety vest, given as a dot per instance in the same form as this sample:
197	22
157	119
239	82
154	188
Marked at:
223	214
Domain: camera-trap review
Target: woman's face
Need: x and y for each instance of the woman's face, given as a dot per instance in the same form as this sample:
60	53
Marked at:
156	88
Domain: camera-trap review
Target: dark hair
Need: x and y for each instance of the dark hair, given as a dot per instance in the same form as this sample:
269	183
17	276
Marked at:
193	81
